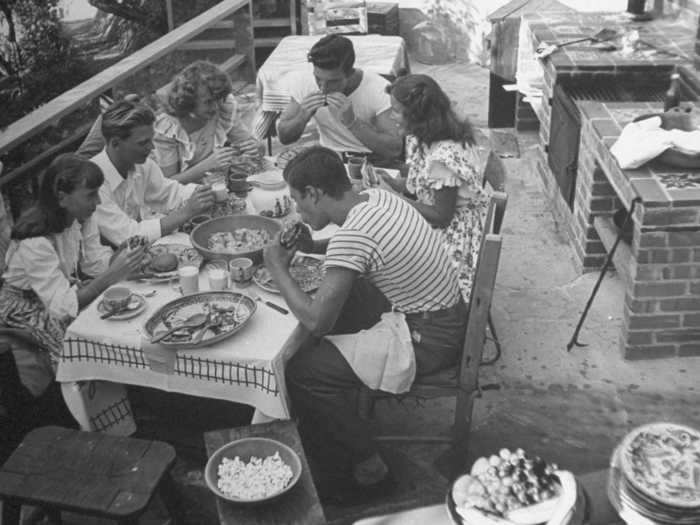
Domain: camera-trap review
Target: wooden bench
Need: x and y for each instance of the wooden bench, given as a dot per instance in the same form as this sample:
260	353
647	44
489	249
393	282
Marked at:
89	473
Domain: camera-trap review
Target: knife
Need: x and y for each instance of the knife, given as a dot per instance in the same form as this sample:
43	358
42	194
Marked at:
276	307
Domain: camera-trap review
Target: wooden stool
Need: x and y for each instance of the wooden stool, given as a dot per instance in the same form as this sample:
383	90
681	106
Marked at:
300	506
89	473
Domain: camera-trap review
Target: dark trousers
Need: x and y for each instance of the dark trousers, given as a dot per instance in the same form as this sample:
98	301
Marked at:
323	388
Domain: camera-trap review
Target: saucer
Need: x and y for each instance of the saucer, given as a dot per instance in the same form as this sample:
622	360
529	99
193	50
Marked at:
135	307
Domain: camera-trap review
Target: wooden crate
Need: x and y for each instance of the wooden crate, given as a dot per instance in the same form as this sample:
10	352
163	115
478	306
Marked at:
383	18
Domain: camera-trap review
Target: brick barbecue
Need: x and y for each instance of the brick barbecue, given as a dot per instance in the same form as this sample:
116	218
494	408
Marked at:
660	264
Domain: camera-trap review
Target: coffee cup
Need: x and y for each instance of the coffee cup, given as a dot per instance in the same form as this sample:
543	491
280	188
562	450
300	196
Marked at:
218	279
188	280
220	191
241	269
116	298
354	166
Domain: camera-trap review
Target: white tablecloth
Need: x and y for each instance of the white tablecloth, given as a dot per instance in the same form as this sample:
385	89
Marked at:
247	368
381	54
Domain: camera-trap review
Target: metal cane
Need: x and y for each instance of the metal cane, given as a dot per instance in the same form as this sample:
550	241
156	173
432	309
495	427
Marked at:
574	338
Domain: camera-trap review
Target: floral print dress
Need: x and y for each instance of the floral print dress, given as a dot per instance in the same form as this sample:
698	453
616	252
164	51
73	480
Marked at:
463	236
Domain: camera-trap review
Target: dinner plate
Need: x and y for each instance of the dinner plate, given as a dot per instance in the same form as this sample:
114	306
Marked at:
186	255
233	309
307	271
662	461
137	304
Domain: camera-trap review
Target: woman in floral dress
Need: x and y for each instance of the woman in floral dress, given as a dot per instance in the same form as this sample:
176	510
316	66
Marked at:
443	169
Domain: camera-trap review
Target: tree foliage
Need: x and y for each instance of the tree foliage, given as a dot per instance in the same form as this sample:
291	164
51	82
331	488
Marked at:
37	59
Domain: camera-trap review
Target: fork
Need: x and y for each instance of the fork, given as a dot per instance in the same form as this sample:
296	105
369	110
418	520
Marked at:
272	305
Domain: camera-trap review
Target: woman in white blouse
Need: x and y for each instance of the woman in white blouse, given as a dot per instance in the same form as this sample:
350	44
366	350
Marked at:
55	264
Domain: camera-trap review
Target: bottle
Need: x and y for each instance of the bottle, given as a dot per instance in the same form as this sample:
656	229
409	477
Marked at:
672	98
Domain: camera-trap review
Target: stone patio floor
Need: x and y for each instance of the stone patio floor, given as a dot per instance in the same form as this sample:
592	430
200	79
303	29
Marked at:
569	407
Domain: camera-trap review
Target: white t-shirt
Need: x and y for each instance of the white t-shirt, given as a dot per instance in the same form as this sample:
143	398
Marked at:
368	101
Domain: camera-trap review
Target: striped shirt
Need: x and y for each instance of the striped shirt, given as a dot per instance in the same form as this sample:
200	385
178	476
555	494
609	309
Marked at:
389	242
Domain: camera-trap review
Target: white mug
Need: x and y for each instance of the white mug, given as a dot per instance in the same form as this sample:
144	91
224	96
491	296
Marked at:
188	277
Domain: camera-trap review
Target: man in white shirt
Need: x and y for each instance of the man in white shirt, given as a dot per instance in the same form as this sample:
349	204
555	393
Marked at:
350	106
134	186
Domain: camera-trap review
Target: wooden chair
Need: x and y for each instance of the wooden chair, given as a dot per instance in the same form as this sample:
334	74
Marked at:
462	380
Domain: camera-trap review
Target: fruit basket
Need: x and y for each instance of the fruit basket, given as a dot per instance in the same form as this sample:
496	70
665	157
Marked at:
513	488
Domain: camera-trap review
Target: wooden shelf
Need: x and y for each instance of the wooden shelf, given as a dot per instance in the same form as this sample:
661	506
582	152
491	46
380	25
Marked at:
608	232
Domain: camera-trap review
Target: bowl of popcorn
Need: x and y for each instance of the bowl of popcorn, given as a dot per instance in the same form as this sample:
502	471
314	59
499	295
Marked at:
514	488
252	470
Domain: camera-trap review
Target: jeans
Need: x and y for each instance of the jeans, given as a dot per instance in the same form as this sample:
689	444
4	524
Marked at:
323	388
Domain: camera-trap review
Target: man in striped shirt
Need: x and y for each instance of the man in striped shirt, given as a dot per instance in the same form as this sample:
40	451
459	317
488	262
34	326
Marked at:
384	256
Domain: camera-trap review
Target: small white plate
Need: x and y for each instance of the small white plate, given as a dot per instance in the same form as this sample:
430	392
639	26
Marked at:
135	307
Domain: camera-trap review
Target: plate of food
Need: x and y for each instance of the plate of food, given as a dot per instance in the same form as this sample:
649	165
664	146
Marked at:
162	261
306	270
223	313
513	488
662	461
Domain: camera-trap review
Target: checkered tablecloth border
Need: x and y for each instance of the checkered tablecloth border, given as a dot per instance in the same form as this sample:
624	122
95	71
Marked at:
218	371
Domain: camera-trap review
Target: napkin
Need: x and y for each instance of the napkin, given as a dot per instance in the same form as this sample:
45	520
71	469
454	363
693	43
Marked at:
160	358
382	356
645	140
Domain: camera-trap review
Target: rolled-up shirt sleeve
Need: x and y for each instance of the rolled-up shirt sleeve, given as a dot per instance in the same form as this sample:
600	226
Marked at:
95	257
43	271
116	226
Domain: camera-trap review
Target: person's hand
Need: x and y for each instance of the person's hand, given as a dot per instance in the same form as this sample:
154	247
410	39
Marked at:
126	262
342	107
276	256
201	200
248	146
386	181
221	158
312	103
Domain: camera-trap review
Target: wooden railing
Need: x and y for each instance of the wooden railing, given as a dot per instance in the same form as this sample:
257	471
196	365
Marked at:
50	113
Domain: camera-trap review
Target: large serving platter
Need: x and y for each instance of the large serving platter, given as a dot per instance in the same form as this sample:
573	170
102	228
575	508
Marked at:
662	462
232	308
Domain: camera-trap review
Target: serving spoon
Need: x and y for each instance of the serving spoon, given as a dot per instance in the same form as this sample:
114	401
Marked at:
191	323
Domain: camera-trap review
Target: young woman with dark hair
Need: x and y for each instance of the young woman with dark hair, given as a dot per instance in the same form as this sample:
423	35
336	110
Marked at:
443	169
55	264
198	122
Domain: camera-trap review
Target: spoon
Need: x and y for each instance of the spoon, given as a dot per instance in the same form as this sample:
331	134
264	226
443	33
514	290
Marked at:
208	325
192	322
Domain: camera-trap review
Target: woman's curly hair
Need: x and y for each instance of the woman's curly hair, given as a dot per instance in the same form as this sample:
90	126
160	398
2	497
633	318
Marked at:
428	111
182	96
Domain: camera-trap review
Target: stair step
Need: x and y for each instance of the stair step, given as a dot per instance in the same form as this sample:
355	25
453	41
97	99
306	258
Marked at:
271	41
222	24
272	22
203	45
232	63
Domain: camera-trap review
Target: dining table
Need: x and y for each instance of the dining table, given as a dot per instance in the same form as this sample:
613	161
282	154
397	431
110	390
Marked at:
382	54
101	356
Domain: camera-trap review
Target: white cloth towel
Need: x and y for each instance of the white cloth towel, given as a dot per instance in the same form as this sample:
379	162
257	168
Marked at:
382	356
645	140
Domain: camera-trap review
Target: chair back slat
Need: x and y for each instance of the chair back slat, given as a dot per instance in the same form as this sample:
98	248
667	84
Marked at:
482	293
